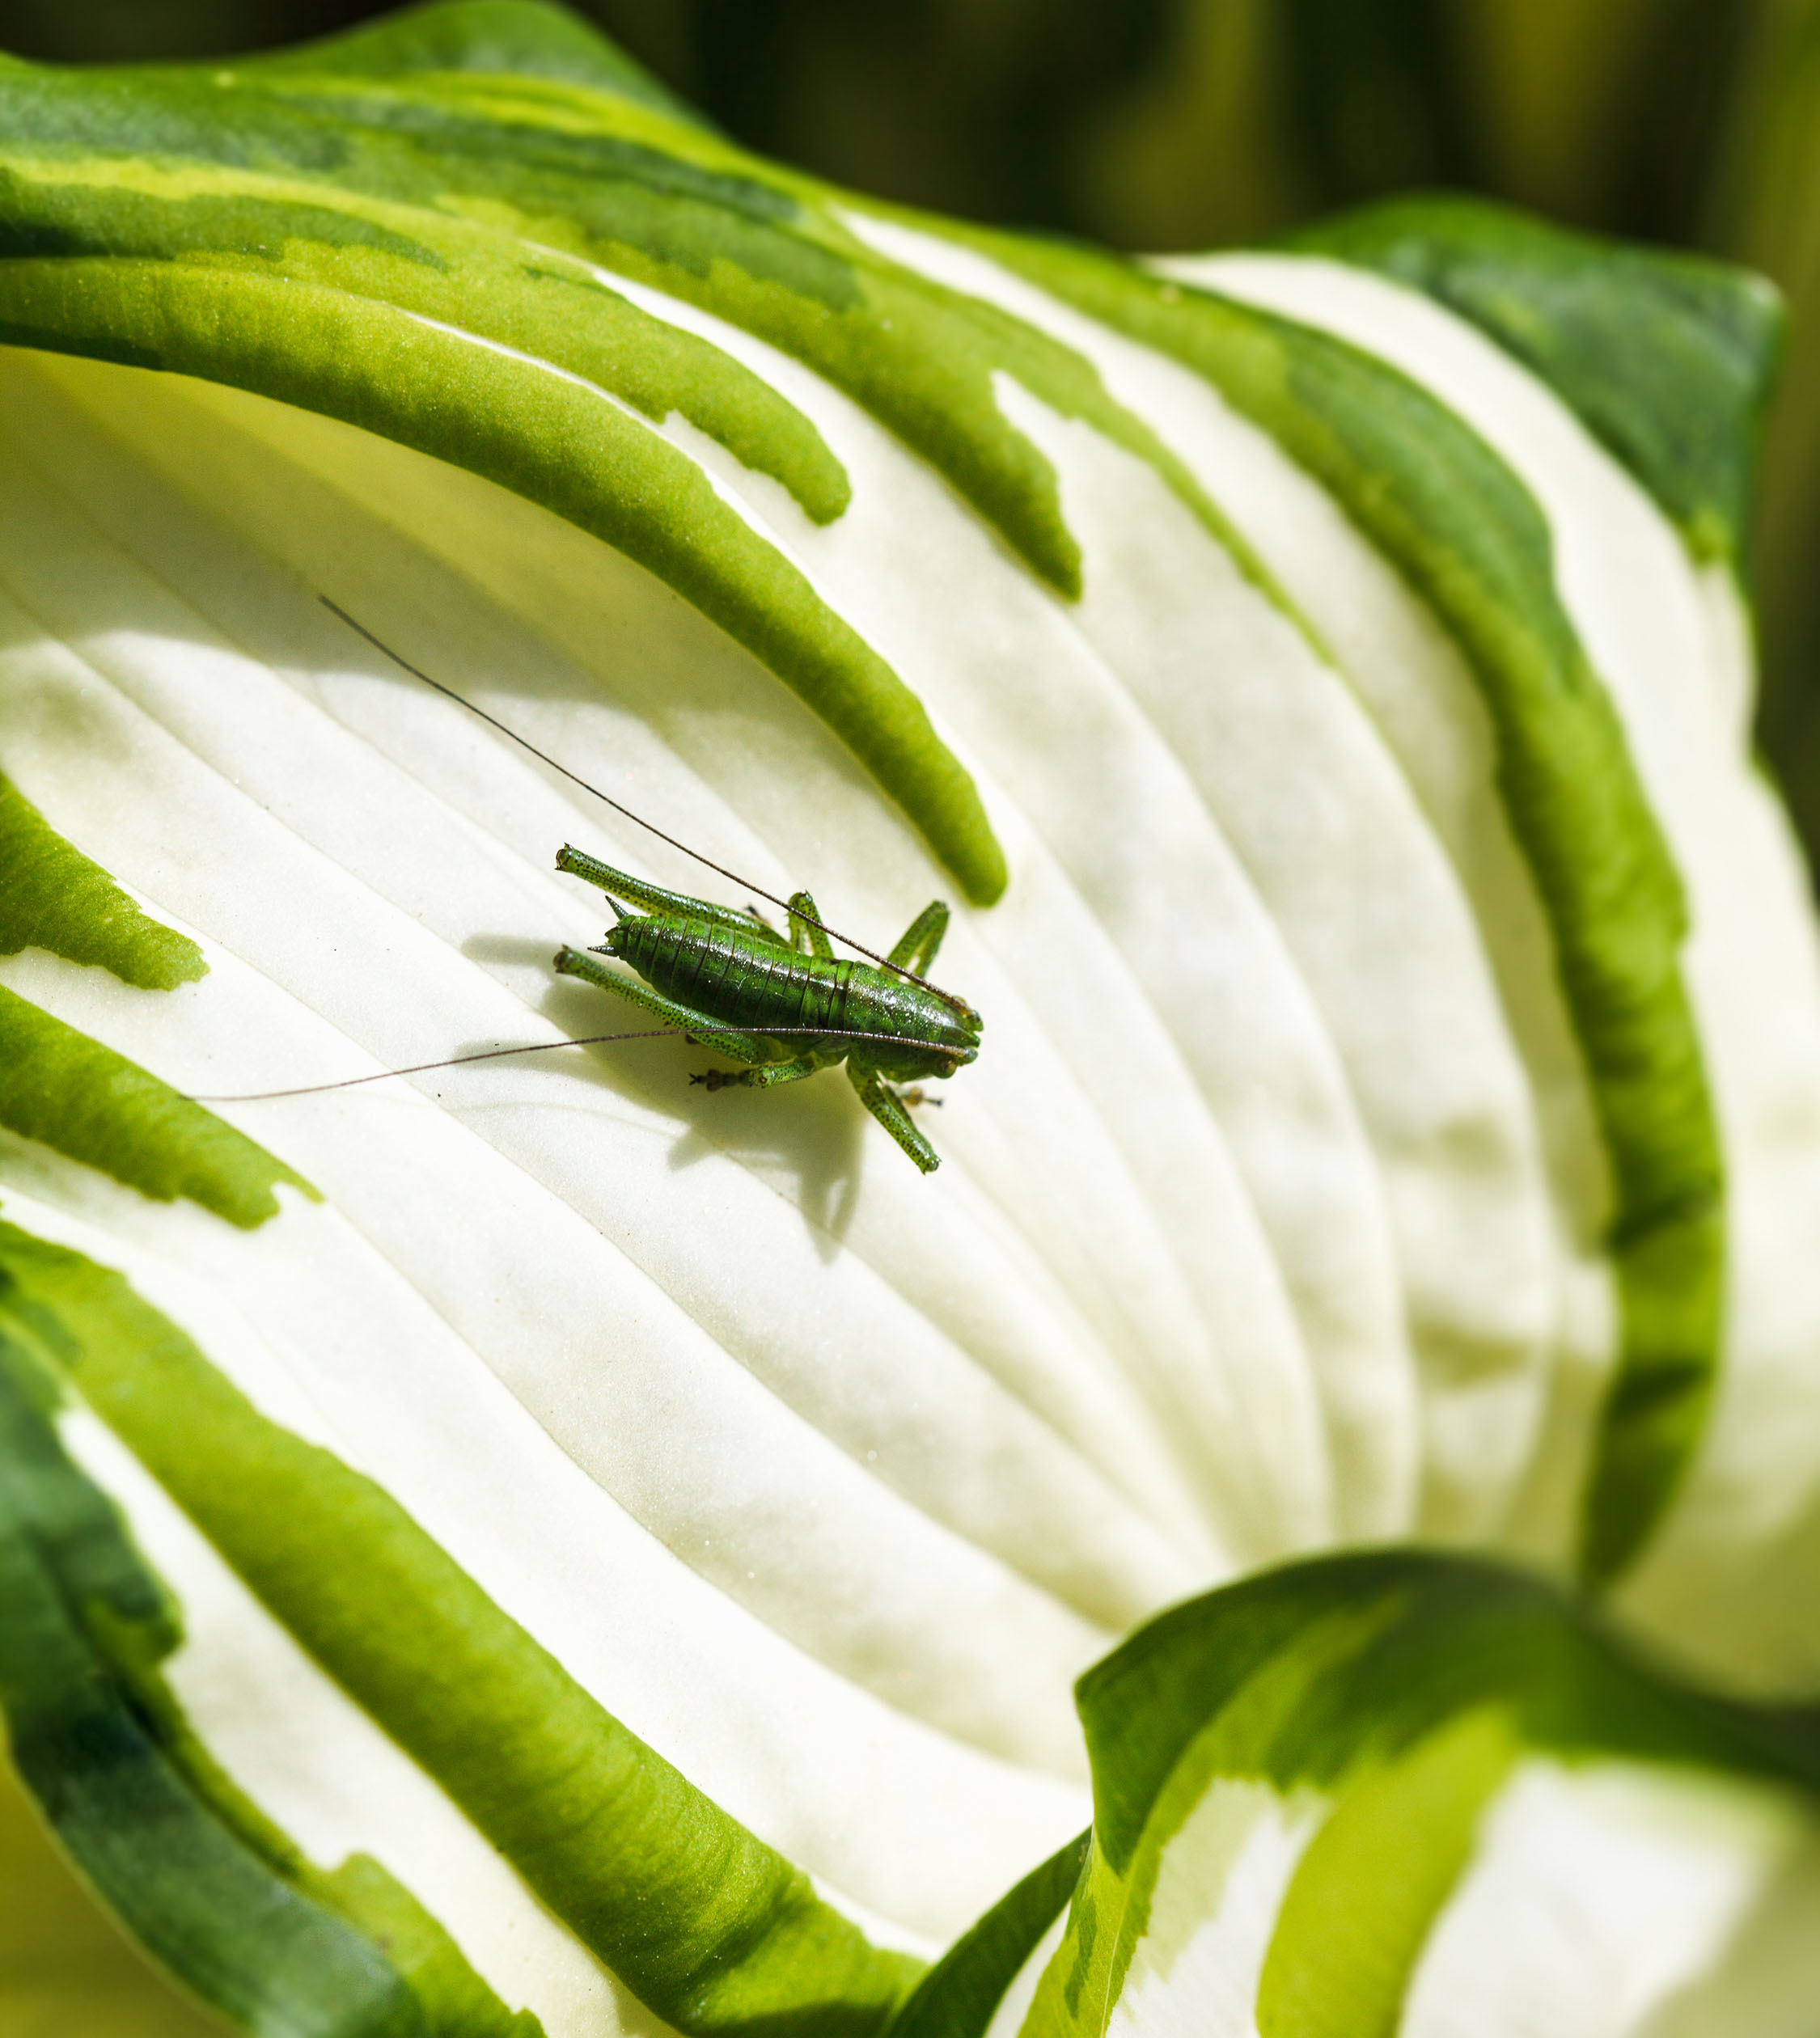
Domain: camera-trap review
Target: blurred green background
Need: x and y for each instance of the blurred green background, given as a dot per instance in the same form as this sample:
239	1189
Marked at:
1177	123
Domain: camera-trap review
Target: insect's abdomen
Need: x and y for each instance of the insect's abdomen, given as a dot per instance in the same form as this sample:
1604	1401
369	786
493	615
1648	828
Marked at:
756	985
741	981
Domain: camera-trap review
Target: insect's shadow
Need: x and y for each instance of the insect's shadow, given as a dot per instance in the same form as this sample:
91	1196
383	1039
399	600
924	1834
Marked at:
517	951
813	1130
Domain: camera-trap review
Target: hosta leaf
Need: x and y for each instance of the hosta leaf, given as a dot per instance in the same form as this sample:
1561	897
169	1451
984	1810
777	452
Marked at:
626	1551
1400	1792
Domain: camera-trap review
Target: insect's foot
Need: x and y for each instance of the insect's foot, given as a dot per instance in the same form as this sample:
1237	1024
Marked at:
716	1078
917	1095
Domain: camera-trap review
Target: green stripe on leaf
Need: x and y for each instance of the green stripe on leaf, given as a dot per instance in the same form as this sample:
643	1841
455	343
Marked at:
1360	1906
52	897
956	1998
59	1086
514	293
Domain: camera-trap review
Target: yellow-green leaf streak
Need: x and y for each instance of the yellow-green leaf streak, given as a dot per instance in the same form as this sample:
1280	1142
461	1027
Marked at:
52	896
493	284
1364	1896
62	1086
709	1926
1431	495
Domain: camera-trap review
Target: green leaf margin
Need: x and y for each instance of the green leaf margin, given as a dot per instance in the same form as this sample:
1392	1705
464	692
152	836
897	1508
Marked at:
1669	359
68	1091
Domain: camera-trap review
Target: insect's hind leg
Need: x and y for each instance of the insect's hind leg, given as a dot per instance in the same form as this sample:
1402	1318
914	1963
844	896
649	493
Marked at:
881	1101
736	1047
655	898
922	938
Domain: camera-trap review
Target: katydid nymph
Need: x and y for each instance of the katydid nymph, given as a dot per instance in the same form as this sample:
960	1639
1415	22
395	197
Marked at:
734	984
781	1005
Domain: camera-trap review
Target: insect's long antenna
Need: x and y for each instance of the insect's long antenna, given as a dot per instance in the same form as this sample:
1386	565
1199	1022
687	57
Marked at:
651	827
495	1054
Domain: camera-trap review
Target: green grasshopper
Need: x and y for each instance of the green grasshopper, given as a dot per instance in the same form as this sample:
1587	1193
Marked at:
782	1006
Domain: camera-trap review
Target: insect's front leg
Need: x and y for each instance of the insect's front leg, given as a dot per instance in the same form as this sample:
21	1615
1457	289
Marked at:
808	936
922	938
736	1047
883	1102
